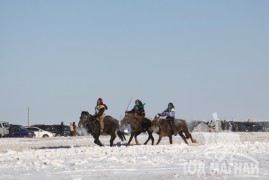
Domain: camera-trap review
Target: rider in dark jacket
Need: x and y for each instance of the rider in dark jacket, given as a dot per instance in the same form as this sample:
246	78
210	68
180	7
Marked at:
138	108
170	116
140	111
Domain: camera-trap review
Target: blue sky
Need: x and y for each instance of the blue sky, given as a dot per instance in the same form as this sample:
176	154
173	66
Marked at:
58	57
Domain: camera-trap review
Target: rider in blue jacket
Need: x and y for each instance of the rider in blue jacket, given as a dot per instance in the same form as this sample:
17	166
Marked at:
170	116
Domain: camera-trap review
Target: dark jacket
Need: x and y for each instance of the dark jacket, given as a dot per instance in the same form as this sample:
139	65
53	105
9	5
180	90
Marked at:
138	109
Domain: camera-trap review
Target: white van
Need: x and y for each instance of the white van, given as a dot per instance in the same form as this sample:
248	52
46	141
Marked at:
4	126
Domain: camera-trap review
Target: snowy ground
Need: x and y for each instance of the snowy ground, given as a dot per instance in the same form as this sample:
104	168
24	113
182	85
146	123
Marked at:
216	156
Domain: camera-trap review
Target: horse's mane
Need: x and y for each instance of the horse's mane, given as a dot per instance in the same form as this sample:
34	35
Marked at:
85	113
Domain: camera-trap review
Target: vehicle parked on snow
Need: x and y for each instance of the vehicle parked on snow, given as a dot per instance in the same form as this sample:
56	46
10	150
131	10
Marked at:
40	133
4	126
19	131
57	130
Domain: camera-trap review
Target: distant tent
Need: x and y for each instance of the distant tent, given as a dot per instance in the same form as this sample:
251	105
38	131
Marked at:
201	127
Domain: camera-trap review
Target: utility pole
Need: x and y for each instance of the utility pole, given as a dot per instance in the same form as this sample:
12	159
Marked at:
28	115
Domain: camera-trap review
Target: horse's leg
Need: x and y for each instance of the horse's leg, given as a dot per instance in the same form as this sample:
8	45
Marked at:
113	137
132	135
160	138
97	141
183	137
152	138
192	140
188	135
148	138
150	131
136	141
170	139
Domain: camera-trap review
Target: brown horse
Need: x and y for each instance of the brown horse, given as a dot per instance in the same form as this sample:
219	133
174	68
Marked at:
111	127
165	129
138	124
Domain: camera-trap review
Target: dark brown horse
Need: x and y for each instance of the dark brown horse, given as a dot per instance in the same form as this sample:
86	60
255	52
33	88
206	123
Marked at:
111	127
165	129
138	125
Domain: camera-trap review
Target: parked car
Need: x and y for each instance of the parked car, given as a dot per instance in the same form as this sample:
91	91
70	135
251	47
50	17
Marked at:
4	126
56	129
19	131
40	133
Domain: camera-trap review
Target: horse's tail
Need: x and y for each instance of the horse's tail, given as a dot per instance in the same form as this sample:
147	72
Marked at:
121	135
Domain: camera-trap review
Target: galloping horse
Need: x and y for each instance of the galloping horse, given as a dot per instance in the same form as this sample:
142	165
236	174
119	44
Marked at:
165	129
111	127
136	128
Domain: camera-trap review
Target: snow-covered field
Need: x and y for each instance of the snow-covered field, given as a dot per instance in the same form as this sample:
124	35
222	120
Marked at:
216	156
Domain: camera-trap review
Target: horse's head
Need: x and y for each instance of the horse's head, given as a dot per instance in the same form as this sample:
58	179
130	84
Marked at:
126	120
84	117
156	122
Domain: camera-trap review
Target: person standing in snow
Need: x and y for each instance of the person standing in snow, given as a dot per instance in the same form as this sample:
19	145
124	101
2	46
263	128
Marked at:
62	129
100	113
170	116
74	129
71	129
